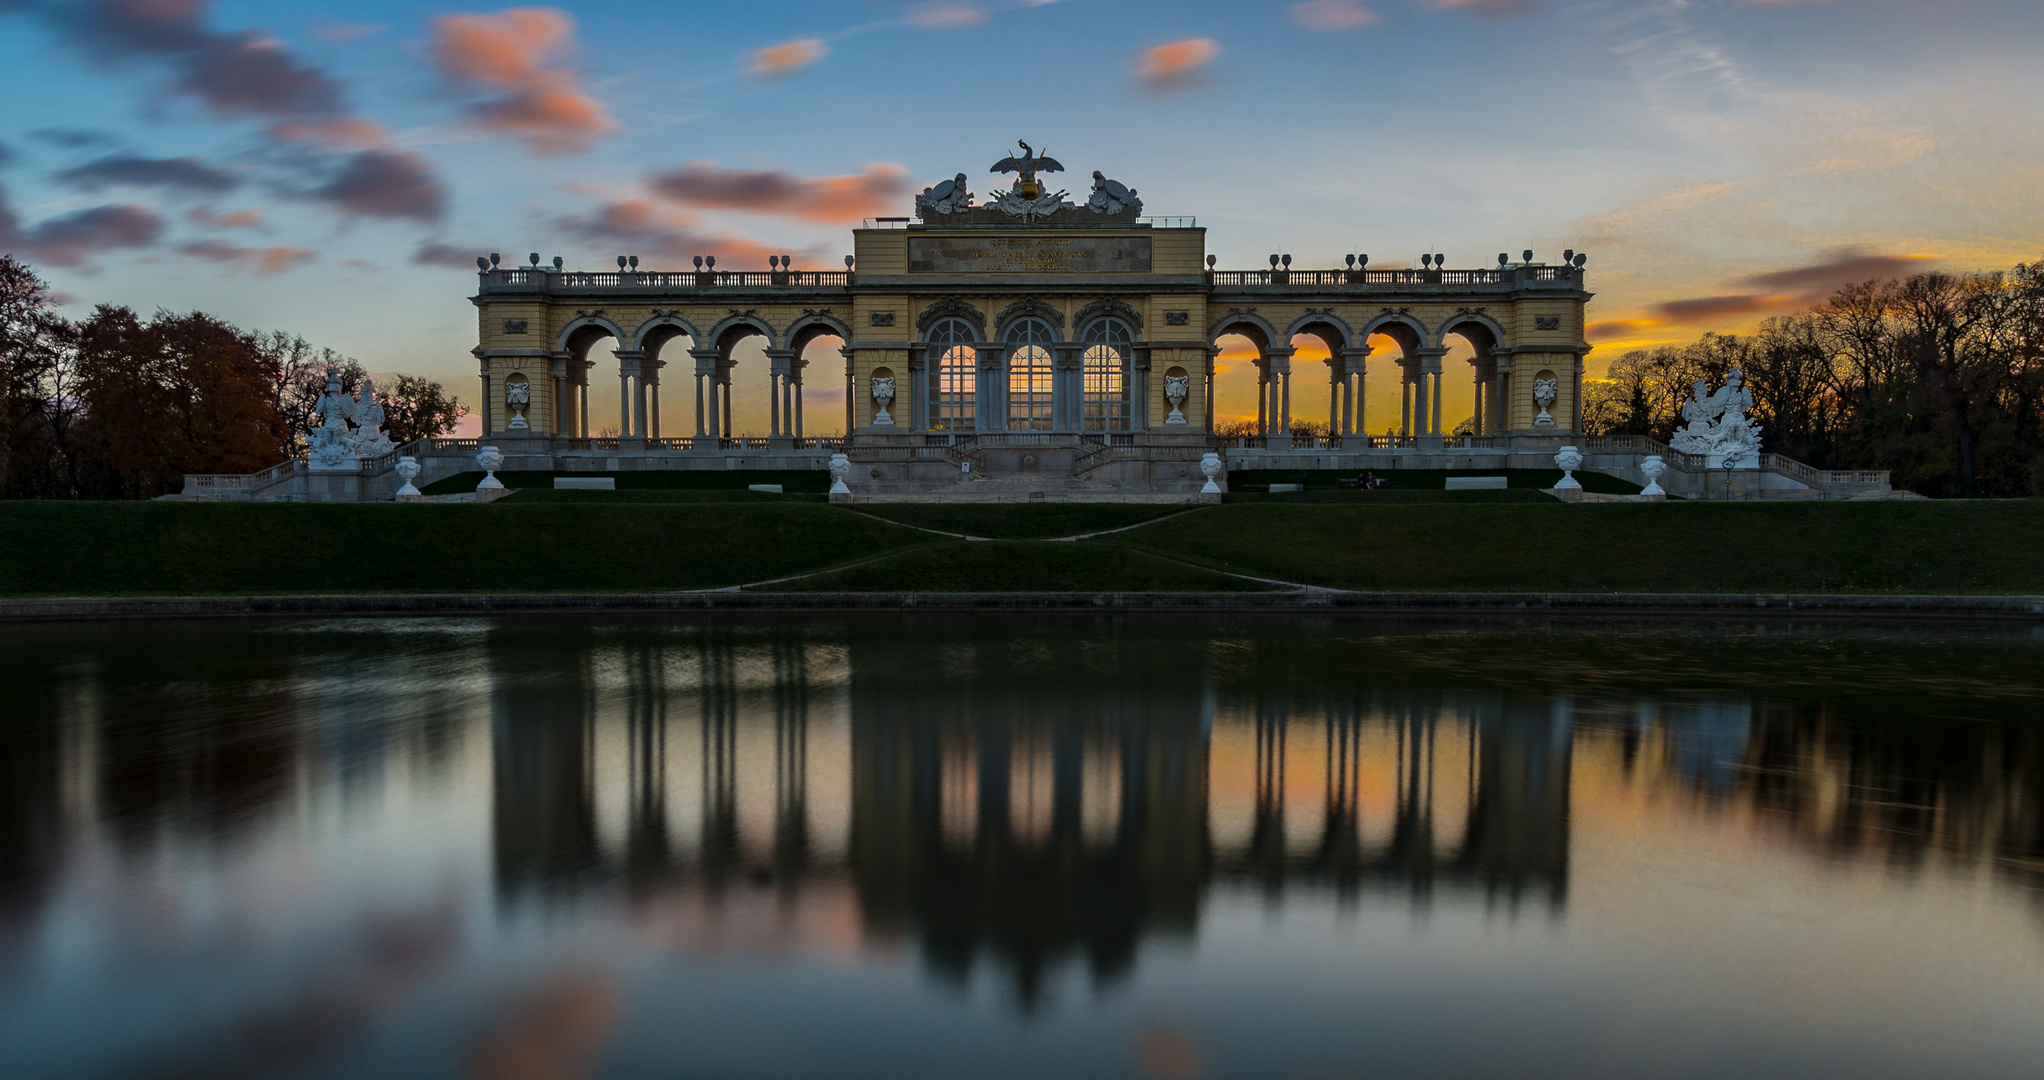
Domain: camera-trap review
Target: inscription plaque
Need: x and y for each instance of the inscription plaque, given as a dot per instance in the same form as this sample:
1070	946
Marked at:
1028	255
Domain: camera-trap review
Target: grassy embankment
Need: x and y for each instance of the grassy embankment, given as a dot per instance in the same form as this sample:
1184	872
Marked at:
1469	545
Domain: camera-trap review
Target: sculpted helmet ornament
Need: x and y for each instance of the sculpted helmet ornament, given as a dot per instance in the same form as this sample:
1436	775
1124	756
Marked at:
1111	197
949	197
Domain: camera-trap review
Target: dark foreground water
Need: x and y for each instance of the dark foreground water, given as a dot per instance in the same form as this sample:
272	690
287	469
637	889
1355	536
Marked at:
1020	847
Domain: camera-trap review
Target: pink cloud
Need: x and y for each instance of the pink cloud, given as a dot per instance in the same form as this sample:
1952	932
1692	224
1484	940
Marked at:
1332	14
1176	64
644	226
945	16
269	260
235	219
829	199
789	56
514	51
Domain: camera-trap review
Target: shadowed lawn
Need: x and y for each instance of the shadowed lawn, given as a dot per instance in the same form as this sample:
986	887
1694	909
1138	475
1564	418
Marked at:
125	548
1019	566
1882	547
1021	521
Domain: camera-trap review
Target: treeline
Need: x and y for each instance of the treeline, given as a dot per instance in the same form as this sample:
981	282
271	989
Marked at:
1937	377
118	407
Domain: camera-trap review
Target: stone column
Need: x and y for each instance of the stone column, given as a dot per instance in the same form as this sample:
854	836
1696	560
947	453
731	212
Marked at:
582	396
799	365
1577	427
780	418
990	386
1068	387
483	411
1501	402
851	378
1262	399
1405	403
650	379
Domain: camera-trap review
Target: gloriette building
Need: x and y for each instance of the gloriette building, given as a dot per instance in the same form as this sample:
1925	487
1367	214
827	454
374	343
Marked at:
1034	344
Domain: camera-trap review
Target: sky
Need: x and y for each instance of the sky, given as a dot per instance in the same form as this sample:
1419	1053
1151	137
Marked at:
333	169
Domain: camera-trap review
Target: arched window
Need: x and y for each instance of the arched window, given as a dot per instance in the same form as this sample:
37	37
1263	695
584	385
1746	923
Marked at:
1105	372
1029	367
955	389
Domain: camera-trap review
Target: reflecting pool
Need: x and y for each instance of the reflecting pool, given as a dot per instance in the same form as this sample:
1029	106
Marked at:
959	846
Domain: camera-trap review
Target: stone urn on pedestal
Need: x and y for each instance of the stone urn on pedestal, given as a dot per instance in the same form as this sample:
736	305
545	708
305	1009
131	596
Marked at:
408	470
1545	393
1211	466
883	395
1568	459
1176	388
839	466
1652	468
491	459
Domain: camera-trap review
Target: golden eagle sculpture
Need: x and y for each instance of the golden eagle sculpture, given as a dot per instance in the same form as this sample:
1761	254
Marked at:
1028	165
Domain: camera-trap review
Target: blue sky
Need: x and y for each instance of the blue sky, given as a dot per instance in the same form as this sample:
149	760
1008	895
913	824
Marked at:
330	169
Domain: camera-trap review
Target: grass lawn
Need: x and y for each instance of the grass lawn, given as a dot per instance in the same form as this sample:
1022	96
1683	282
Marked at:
1878	547
1018	566
565	543
186	549
1021	521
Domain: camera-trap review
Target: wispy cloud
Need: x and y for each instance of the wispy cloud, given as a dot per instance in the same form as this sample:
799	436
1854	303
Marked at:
787	57
1174	65
384	184
233	219
645	226
72	239
267	260
233	74
829	199
516	52
184	175
944	15
1332	14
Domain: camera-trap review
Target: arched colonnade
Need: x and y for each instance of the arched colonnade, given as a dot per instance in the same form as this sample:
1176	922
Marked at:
639	354
1421	350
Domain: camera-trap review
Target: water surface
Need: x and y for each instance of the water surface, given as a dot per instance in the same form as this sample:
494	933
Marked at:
957	846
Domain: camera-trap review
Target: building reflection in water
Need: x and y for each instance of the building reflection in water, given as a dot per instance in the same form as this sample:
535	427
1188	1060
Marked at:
1012	797
1024	800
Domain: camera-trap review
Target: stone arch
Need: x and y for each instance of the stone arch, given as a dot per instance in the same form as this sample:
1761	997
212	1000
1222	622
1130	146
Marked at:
1486	340
1246	324
1455	324
586	330
1410	333
813	325
740	324
1107	307
660	329
1324	324
949	307
1029	308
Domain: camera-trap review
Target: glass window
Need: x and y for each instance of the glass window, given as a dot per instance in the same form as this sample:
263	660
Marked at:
1105	375
955	389
1029	375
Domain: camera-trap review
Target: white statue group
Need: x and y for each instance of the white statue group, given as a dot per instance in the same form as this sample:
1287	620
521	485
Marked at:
334	444
1717	426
